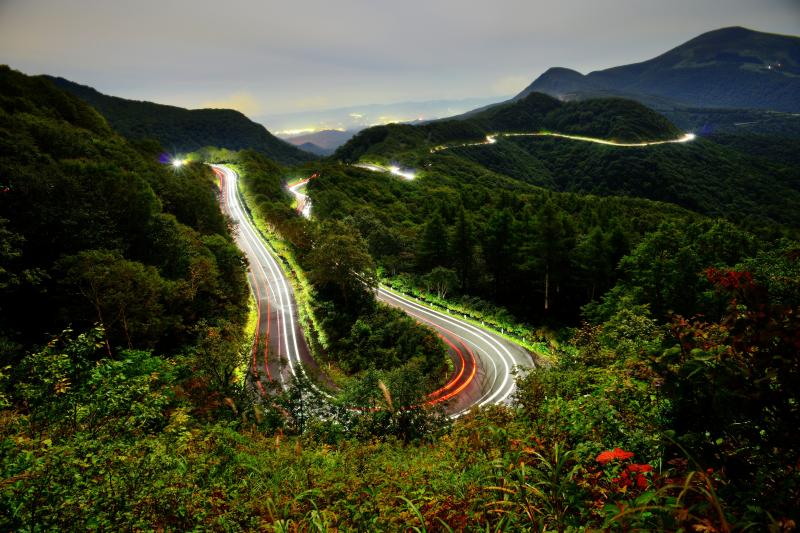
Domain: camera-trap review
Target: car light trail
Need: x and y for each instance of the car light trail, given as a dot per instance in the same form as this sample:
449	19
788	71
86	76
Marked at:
303	201
405	173
484	360
492	139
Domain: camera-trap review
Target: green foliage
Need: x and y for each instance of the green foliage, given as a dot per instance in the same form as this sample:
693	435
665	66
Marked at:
510	243
441	281
632	426
95	230
733	386
701	175
96	443
665	269
615	119
185	130
611	118
346	325
339	260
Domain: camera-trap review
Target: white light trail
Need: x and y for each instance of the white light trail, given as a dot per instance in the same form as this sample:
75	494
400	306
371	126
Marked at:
405	173
492	139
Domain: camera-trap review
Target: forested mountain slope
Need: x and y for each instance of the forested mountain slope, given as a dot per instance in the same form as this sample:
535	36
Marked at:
97	231
185	130
612	118
700	175
729	67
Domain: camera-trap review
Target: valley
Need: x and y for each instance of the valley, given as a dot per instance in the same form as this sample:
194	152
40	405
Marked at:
575	309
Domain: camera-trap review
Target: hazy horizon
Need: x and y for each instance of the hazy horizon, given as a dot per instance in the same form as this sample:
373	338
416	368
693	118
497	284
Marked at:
267	59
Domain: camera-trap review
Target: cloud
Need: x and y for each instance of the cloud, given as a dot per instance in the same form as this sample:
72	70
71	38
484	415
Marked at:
508	85
241	101
312	102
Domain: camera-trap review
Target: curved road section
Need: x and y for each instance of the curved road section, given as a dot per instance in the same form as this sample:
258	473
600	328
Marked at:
482	361
280	349
494	357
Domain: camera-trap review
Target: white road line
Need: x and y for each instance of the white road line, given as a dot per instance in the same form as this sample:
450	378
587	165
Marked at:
502	386
286	306
507	384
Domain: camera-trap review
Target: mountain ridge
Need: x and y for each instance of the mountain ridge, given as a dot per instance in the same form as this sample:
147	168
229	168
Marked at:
728	67
184	130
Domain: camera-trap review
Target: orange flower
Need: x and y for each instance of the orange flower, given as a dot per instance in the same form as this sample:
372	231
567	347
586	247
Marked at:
612	455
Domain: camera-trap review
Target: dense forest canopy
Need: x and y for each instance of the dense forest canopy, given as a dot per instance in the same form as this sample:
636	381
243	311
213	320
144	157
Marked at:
717	176
98	231
354	331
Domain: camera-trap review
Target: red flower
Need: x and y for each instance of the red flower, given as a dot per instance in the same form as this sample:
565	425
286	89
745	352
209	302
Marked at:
729	279
611	455
641	482
640	469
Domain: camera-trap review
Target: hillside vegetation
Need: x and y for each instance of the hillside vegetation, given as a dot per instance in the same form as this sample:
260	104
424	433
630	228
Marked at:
703	175
185	130
96	232
763	68
669	401
613	119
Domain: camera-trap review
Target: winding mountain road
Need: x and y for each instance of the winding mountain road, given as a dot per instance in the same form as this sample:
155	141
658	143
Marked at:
279	347
482	360
492	139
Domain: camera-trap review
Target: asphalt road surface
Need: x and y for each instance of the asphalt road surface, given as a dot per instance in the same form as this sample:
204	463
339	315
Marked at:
482	361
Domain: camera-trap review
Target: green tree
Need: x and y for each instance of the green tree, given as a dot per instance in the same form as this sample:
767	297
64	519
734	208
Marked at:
499	249
126	296
339	258
555	238
442	280
462	248
433	244
220	353
592	259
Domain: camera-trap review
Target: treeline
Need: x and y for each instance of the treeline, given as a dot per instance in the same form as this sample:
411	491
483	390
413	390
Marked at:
97	232
614	119
541	254
610	118
185	130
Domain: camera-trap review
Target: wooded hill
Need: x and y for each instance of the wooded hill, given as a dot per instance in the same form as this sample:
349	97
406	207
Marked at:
97	231
701	175
703	72
182	130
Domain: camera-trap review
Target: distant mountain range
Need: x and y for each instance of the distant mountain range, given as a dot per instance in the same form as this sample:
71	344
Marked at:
356	118
183	130
323	142
730	67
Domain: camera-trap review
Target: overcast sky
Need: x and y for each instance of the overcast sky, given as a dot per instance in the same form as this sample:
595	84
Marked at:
267	56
